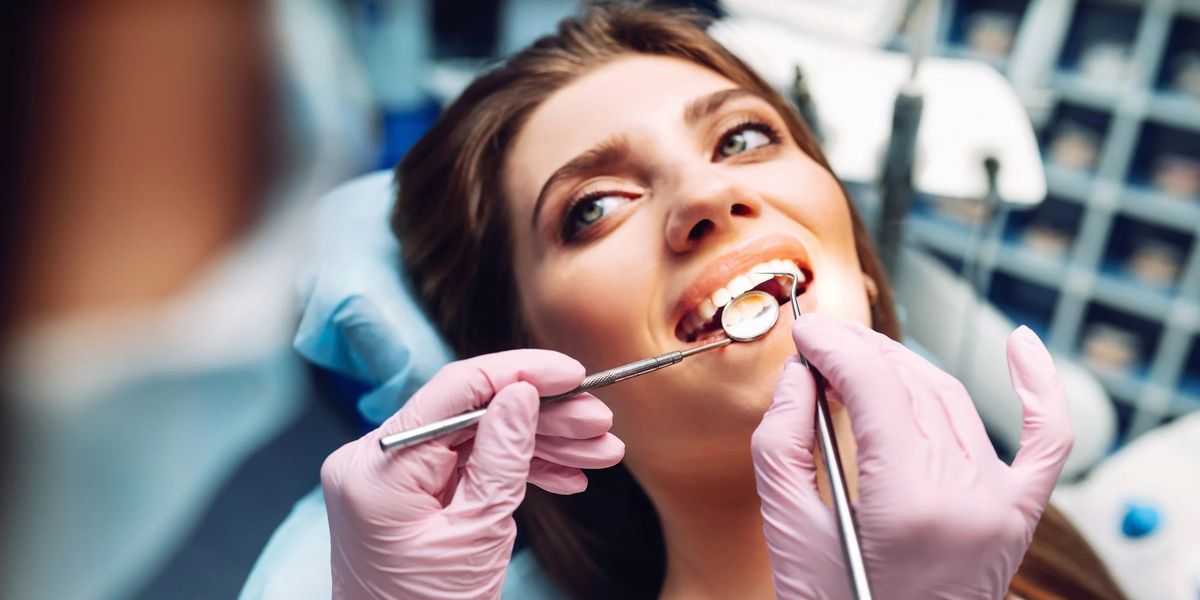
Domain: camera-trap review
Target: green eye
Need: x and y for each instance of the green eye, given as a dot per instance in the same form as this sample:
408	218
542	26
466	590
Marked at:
744	138
589	210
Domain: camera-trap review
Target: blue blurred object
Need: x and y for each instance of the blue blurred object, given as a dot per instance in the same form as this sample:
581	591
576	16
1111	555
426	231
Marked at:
360	318
1141	519
402	129
394	40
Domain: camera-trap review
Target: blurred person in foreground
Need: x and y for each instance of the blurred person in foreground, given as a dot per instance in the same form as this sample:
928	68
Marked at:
146	307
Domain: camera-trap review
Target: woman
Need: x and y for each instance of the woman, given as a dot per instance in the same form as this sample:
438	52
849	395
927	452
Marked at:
602	194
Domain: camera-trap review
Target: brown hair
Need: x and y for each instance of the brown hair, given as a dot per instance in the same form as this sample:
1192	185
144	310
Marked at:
453	222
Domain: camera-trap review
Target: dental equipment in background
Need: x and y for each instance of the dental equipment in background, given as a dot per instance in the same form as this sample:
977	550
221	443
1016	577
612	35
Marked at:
748	329
896	180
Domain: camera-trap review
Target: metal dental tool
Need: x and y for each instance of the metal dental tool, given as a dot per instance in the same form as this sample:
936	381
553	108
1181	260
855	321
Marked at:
833	469
754	323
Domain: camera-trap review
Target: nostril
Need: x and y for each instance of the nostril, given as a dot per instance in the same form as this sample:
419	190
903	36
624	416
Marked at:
699	229
739	210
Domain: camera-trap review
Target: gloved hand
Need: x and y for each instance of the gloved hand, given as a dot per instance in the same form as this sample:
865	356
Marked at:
435	520
939	514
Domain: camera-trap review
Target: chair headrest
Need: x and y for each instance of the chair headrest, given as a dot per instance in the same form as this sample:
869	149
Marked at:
360	319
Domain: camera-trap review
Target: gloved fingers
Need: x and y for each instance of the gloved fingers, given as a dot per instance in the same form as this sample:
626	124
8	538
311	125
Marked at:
493	480
561	469
555	478
362	480
1046	435
879	404
581	417
430	468
782	447
466	385
954	406
600	452
464	450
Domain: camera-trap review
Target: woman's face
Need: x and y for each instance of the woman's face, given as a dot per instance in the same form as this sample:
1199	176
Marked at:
637	192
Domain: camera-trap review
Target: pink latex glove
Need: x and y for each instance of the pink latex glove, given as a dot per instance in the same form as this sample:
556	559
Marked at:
939	514
435	520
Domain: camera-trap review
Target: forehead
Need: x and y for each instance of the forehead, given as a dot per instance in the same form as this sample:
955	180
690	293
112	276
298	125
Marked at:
636	95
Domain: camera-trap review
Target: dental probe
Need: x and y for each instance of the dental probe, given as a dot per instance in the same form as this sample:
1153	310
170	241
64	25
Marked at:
750	328
851	550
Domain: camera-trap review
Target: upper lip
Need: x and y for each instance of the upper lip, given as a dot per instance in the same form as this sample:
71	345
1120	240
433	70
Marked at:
740	259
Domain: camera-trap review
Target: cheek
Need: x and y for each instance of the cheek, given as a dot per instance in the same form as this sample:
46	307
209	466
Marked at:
808	195
592	304
811	196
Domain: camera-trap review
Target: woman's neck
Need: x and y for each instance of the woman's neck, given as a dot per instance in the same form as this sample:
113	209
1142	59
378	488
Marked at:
712	521
713	529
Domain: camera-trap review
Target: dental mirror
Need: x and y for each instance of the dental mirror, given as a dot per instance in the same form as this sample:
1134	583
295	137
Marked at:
750	316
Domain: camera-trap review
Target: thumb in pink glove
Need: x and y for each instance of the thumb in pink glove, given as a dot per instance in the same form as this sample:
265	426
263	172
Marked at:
939	514
435	520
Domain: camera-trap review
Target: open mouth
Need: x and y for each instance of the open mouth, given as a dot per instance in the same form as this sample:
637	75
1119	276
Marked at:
704	320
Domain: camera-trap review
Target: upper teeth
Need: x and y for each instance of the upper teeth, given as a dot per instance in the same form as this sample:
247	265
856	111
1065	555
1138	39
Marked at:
744	283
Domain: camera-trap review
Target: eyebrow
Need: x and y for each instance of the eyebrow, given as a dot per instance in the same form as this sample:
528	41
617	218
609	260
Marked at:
604	155
704	106
613	150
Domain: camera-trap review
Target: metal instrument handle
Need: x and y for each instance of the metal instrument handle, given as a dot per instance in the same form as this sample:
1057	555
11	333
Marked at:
621	373
847	527
851	550
417	435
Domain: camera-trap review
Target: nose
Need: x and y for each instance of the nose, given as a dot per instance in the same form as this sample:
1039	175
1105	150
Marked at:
707	206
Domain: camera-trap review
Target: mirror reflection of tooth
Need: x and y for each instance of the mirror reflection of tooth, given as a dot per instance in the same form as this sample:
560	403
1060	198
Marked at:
735	316
737	312
745	311
763	307
733	311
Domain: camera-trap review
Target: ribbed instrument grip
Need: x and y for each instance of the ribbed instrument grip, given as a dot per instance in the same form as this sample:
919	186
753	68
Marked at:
621	373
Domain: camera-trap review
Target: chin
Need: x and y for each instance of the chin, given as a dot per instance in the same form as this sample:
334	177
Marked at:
734	391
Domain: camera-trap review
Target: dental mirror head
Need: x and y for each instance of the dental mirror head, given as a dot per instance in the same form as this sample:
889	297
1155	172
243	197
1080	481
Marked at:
750	316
